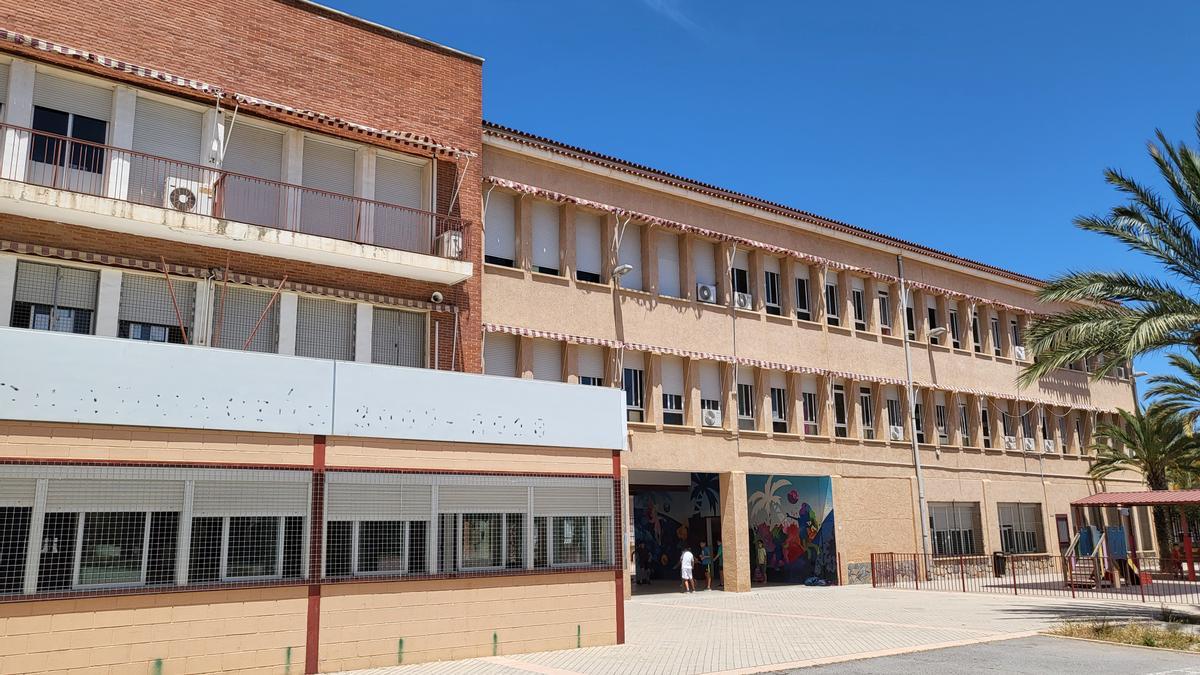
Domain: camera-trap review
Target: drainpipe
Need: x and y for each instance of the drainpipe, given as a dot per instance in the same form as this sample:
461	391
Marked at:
922	506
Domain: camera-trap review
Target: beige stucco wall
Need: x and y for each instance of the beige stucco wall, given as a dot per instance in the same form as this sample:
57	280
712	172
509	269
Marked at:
229	631
362	625
341	451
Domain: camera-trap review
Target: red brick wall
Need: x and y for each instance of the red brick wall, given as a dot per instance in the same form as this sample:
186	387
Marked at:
292	54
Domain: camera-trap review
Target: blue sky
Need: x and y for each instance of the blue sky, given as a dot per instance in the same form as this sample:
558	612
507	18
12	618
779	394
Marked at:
978	128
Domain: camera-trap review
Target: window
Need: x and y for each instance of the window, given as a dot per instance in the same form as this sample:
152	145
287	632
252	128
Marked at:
808	402
964	424
591	381
398	337
481	537
910	316
704	262
919	422
589	360
860	309
671	371
500	354
895	419
711	392
245	318
932	316
52	149
53	297
1026	422
832	310
325	329
939	414
976	341
635	392
986	424
779	422
1079	436
840	425
771	293
1021	528
866	413
803	312
1075	365
745	401
499	218
630	253
147	310
246	548
375	547
739	274
668	264
1015	330
1006	423
547	359
995	326
955	334
1062	431
885	313
570	540
956	528
114	548
545	237
589	235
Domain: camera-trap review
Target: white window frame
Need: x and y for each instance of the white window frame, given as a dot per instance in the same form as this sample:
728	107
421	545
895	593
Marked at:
78	561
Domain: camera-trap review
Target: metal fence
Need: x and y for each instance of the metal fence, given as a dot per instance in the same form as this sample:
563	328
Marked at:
1148	579
75	165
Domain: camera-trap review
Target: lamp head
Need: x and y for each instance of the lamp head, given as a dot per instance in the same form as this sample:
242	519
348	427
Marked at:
621	270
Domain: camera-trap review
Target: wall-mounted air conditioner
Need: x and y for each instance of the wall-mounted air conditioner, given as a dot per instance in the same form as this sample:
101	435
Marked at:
743	300
706	293
710	418
1027	444
1010	443
896	433
188	196
1048	445
1020	352
450	244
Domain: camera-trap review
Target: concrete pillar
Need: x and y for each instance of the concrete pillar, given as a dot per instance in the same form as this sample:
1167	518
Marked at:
795	403
8	283
896	297
853	423
845	298
691	392
879	410
871	304
287	323
729	410
758	281
608	255
953	420
653	390
787	287
18	111
687	268
566	243
816	292
364	188
724	271
649	264
919	313
525	358
824	406
735	528
364	324
120	135
293	174
762	387
108	302
571	363
524	231
943	317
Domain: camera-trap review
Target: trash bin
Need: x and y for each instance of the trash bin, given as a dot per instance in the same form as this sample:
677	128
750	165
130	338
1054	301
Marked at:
999	563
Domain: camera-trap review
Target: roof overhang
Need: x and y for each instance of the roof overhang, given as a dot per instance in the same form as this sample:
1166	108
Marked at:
1143	498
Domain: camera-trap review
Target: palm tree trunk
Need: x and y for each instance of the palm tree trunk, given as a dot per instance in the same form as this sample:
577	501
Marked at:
1162	531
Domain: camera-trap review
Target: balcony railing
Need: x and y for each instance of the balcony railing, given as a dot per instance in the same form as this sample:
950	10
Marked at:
65	163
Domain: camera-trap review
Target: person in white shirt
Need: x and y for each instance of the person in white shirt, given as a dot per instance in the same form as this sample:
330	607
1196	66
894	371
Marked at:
686	562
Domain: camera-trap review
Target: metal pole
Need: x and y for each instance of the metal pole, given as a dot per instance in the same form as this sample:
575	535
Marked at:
922	507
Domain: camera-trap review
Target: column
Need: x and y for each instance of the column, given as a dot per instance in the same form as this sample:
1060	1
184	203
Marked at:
525	357
18	111
724	265
953	422
364	324
524	228
293	174
795	402
608	256
691	392
108	302
762	385
729	411
571	363
919	313
687	268
735	523
653	390
566	245
8	283
824	406
899	324
816	292
943	317
985	329
120	136
845	297
287	323
879	408
787	287
649	265
928	417
1006	345
996	407
364	188
871	302
758	282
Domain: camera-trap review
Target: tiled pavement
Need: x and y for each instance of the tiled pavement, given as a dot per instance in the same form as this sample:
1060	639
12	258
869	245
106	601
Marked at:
786	627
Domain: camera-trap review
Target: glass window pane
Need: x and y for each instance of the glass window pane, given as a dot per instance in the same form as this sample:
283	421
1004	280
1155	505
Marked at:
481	540
253	547
112	548
381	546
570	543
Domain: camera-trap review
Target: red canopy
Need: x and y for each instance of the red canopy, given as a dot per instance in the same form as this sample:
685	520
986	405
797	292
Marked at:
1143	498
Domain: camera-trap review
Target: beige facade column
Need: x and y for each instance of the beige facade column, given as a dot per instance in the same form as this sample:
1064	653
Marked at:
871	303
524	230
729	411
762	387
845	295
824	407
985	329
996	409
653	384
691	392
735	525
953	423
928	417
608	257
943	317
612	367
724	266
571	363
896	298
795	404
787	288
758	281
918	308
649	269
687	268
974	437
816	291
1006	345
906	411
525	357
988	520
879	410
566	240
853	423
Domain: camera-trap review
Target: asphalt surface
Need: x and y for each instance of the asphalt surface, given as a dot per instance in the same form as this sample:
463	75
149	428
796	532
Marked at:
1033	655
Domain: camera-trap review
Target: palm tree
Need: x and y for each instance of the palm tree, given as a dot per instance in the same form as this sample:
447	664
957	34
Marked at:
1124	314
1181	392
1155	442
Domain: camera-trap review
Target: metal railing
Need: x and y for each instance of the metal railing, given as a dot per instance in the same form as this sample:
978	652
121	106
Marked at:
1148	579
65	163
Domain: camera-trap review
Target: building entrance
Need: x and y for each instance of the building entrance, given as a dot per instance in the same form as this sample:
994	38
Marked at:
673	511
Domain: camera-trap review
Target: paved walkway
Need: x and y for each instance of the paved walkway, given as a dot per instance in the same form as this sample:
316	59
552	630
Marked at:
777	629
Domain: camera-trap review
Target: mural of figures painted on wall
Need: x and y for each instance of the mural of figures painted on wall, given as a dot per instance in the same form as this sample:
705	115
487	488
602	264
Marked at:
791	529
666	519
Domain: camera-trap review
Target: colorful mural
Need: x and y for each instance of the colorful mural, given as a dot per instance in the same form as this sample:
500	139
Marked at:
664	520
791	517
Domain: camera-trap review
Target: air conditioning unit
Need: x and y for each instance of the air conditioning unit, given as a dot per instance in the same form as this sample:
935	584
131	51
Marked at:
450	244
1027	444
710	418
896	433
188	196
1048	445
743	300
706	293
1010	443
1020	352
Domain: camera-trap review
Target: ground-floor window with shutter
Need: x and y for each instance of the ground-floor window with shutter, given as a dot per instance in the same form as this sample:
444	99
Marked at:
325	329
956	528
156	311
1021	528
398	337
245	318
55	297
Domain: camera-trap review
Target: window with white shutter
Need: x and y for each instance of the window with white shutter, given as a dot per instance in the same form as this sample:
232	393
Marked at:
252	152
325	208
3	87
668	264
148	311
589	361
672	389
54	297
547	360
69	109
398	337
245	318
500	354
499	221
711	394
630	253
704	261
72	96
403	183
545	237
325	329
771	295
167	131
589	238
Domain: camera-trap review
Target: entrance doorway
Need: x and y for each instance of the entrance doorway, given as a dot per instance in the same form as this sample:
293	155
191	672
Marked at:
672	511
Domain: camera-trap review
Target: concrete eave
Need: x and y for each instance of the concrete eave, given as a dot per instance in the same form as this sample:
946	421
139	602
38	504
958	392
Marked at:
112	215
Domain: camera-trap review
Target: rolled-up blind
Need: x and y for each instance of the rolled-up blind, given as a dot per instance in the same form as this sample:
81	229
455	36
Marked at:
114	495
56	285
483	498
547	360
325	329
257	498
400	182
704	261
378	501
238	313
147	299
593	498
500	354
17	491
499	221
589	237
165	130
398	338
672	375
545	235
710	381
630	253
668	264
72	96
